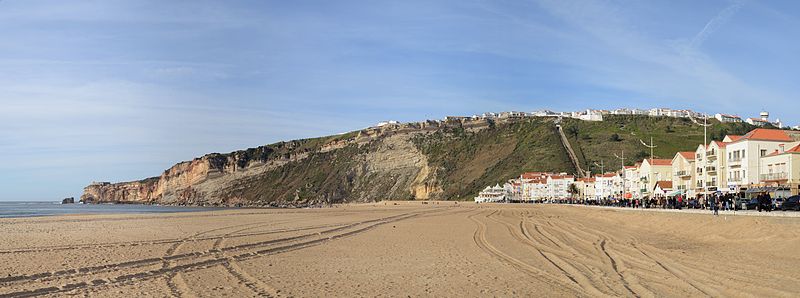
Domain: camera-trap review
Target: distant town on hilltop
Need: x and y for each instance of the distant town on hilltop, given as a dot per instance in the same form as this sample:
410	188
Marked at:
597	115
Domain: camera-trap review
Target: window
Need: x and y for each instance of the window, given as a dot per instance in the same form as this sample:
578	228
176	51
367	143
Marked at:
763	152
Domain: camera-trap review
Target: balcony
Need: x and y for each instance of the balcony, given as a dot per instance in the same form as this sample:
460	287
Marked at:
735	160
711	170
683	174
711	155
711	183
774	176
735	180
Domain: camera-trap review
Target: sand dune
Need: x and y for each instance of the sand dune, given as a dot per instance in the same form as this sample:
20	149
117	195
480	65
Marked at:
437	249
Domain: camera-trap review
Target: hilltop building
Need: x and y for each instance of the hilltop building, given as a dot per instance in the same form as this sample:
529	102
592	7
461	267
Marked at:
725	118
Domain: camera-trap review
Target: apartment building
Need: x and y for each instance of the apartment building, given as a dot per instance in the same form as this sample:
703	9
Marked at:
781	168
651	171
744	155
683	173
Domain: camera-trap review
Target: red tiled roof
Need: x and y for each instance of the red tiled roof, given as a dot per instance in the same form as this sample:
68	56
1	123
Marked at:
586	179
664	184
533	175
659	162
734	138
765	134
795	149
687	155
720	144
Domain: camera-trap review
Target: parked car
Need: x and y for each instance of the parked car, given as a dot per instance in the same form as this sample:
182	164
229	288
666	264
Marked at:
740	203
752	204
792	203
776	203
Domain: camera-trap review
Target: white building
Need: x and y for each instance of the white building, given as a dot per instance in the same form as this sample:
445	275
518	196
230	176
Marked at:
725	118
586	188
631	181
608	185
744	155
558	186
493	194
683	173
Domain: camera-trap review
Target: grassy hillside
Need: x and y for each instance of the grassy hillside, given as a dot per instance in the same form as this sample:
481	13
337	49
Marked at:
468	161
599	141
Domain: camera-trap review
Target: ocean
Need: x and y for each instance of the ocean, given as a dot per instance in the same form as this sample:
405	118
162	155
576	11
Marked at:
28	209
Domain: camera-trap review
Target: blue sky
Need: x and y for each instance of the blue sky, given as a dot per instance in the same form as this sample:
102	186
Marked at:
120	90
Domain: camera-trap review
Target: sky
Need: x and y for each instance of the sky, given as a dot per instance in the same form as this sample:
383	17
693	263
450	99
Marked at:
118	90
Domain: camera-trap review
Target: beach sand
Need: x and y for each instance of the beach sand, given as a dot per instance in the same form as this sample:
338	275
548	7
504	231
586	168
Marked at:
402	249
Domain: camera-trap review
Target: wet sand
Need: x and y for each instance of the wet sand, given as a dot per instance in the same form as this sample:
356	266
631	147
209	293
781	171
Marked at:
409	249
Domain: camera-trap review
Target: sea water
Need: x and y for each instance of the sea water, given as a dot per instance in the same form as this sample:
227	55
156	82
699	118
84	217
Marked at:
28	209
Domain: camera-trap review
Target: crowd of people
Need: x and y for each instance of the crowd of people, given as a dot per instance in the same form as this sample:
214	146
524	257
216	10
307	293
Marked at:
714	202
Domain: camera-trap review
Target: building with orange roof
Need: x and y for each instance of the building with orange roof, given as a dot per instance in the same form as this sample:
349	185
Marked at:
715	167
743	156
781	169
653	170
683	173
662	189
558	186
731	138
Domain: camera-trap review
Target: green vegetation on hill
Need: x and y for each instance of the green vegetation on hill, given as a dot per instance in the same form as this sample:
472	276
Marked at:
466	162
594	142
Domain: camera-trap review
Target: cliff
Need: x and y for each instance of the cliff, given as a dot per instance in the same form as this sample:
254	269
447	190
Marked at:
424	160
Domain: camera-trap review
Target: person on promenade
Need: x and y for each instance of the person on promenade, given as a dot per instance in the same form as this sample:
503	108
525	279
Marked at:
715	204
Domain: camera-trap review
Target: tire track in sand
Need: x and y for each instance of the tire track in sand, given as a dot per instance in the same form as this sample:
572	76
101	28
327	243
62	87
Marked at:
567	270
152	274
479	237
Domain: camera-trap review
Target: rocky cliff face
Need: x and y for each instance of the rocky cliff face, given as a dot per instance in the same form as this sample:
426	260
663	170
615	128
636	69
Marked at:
368	165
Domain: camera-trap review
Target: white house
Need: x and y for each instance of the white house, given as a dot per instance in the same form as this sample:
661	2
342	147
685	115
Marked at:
683	173
725	118
653	170
492	194
782	169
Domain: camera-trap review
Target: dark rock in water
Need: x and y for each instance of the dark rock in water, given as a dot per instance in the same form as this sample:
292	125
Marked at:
69	200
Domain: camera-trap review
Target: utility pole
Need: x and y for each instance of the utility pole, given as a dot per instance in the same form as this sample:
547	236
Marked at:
602	167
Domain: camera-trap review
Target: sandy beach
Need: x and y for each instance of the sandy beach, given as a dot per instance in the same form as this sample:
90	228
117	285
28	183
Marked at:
402	249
